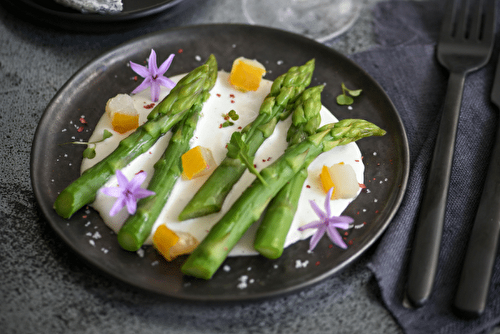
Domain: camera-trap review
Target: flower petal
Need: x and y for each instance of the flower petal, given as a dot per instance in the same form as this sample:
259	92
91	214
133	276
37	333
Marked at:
131	204
316	237
155	91
327	202
340	222
314	224
145	84
318	211
153	69
137	181
165	65
139	69
142	193
117	206
122	179
335	236
112	191
165	82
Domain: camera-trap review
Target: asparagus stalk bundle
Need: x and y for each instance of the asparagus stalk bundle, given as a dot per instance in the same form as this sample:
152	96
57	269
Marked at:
161	119
284	90
273	229
167	170
213	250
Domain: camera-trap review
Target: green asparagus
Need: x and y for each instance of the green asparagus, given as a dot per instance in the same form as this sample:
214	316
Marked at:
161	119
273	230
284	90
213	250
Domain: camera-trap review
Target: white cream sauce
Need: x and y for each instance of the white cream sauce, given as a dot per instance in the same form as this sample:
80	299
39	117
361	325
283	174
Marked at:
209	134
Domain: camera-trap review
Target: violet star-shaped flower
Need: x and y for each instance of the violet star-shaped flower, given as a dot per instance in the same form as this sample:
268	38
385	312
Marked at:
153	76
327	224
127	193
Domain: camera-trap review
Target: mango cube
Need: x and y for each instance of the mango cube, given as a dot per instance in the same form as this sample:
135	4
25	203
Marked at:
171	244
163	240
246	74
343	180
197	162
124	116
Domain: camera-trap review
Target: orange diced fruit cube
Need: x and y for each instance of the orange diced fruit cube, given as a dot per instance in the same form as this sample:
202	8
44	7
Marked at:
326	180
163	240
124	116
246	74
197	162
123	123
171	244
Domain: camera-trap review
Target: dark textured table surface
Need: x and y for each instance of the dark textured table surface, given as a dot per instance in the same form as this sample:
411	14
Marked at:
46	288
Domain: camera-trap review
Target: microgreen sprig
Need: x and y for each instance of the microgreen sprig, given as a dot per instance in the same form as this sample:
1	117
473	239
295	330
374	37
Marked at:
344	99
89	152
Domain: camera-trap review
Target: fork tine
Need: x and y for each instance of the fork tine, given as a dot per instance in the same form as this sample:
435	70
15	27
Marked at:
462	20
476	20
448	19
489	22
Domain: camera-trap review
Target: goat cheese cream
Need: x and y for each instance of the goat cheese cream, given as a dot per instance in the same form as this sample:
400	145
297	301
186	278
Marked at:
210	134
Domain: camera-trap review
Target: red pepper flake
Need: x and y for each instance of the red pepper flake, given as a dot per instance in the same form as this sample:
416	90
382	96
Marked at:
232	101
346	233
254	166
374	179
362	186
231	96
181	51
378	163
218	95
269	159
239	128
135	78
84	216
263	160
220	126
330	246
350	242
356	160
376	211
149	106
317	263
83	120
308	186
142	170
80	129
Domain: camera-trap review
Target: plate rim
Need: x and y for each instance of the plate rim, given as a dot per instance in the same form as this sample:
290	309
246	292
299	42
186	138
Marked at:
221	298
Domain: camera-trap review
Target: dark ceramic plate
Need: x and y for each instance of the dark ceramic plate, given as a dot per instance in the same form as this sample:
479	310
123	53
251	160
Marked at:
54	166
135	13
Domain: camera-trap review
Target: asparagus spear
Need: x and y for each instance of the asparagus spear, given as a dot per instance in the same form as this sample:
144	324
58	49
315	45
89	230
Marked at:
168	168
161	119
284	90
273	230
213	250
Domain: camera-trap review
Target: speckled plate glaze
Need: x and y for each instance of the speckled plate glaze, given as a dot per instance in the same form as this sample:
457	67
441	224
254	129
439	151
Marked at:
54	166
134	14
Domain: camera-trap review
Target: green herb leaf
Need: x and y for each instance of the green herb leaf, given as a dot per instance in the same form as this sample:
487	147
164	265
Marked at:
89	153
344	99
106	134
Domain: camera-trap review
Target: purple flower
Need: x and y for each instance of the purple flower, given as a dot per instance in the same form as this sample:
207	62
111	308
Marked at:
153	75
127	193
327	224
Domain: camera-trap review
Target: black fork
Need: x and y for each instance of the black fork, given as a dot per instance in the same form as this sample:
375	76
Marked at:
465	45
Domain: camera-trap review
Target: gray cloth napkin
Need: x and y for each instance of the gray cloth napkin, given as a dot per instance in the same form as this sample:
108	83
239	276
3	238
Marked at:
406	67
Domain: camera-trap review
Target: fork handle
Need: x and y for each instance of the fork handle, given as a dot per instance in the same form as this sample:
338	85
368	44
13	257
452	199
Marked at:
429	226
472	294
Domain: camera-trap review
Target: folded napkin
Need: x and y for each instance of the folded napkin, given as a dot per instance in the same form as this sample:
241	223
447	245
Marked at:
405	65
